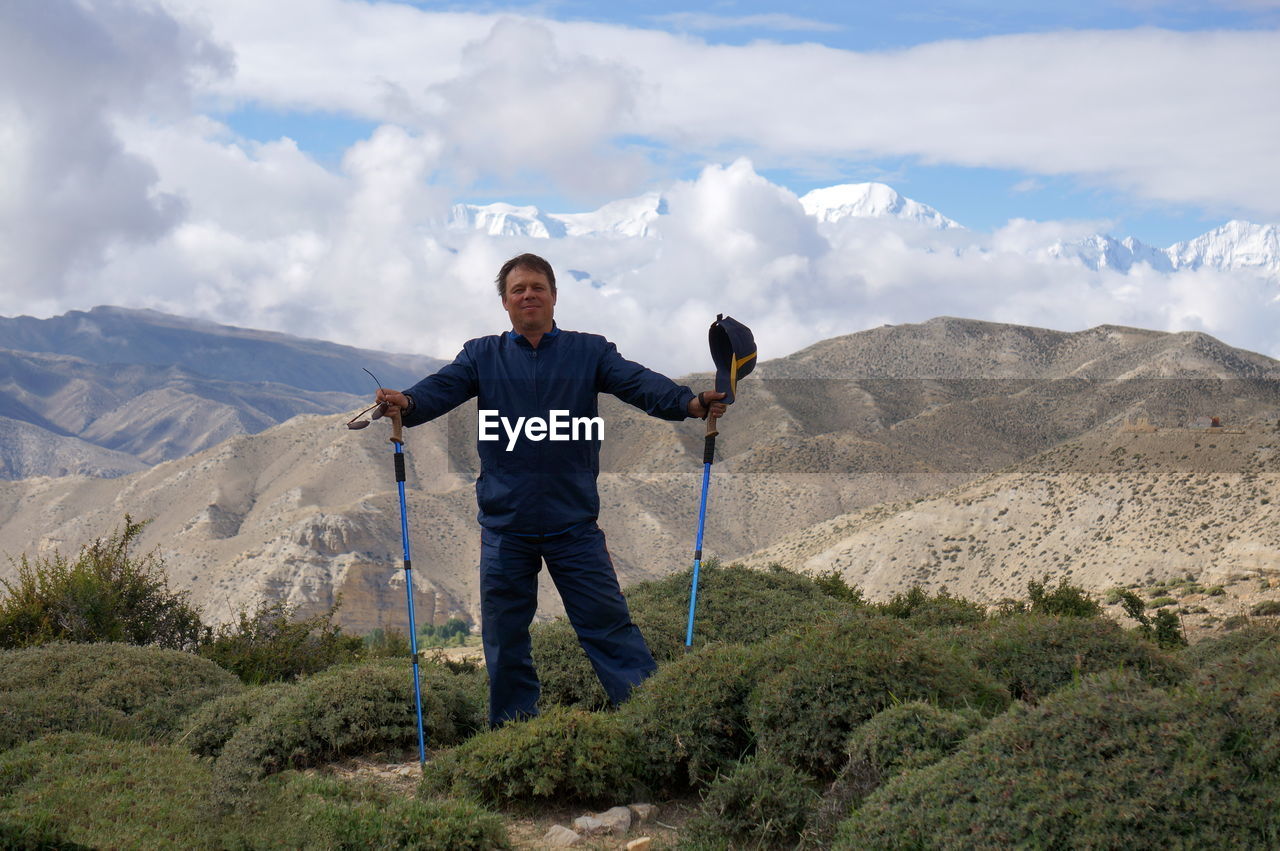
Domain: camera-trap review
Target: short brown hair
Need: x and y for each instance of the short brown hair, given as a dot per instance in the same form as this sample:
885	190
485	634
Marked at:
532	262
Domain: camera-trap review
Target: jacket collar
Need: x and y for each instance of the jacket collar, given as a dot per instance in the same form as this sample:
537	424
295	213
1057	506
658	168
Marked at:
517	337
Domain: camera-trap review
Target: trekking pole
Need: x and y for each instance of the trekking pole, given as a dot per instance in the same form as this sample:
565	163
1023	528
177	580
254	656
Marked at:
708	456
733	348
379	409
397	438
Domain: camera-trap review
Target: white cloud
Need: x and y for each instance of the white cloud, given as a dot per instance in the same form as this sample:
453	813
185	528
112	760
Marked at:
71	190
519	108
271	238
1170	116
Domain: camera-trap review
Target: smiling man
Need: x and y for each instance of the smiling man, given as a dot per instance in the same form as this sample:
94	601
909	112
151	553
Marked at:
539	445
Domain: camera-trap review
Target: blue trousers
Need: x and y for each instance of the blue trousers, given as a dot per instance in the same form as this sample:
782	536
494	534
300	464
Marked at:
582	572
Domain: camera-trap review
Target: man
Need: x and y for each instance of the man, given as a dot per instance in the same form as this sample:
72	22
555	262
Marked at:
536	492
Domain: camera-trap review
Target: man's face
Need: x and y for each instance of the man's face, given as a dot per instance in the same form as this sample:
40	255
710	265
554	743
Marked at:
529	300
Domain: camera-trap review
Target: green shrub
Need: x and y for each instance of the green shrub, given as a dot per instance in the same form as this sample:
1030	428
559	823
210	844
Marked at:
762	803
691	716
35	834
1266	608
381	644
271	644
342	711
833	584
1065	600
116	690
1235	622
562	755
1165	629
831	678
212	725
106	794
564	671
107	594
358	816
911	735
1217	591
901	738
736	605
1113	762
1234	645
941	610
1033	655
69	788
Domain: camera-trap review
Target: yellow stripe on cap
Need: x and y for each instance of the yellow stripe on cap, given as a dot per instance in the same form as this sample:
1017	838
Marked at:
734	363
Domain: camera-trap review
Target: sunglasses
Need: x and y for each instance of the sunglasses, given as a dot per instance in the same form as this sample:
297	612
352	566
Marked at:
379	409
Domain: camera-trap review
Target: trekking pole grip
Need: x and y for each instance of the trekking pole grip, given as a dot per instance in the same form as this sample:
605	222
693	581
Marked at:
709	445
397	429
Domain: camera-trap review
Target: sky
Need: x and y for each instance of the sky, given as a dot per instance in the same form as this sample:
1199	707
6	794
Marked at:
291	165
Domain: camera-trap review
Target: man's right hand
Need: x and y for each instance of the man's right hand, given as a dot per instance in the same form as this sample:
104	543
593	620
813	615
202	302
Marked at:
387	397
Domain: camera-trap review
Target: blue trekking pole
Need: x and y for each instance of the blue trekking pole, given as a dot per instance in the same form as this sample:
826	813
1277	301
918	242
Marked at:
708	456
733	348
397	438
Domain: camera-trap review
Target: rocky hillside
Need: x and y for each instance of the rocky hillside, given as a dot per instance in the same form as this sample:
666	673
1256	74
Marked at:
113	391
880	454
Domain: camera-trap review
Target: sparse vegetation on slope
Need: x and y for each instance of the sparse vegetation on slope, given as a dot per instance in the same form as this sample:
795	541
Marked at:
115	690
919	722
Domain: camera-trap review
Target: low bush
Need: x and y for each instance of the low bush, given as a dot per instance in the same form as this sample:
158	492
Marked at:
359	816
272	644
564	755
1235	644
1267	608
940	610
564	671
828	679
691	716
1064	600
1033	655
343	711
903	737
911	735
212	725
736	605
116	690
762	803
1165	629
77	788
36	834
1113	762
107	594
106	794
833	584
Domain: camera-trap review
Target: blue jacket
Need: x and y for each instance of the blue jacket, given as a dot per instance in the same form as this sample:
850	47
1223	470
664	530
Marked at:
541	487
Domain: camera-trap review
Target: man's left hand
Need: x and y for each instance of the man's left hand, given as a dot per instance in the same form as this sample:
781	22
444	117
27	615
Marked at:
713	406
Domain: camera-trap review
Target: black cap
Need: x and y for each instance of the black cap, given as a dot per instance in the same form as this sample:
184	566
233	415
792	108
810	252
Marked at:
733	348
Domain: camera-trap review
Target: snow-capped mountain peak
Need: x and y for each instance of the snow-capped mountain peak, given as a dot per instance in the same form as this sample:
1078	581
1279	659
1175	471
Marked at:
1101	251
1235	245
870	200
505	220
629	217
